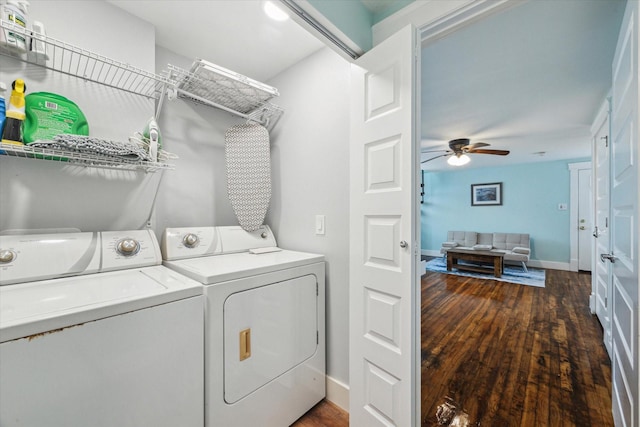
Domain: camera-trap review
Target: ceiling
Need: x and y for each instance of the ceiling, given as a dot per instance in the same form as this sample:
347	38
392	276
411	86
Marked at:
529	79
233	34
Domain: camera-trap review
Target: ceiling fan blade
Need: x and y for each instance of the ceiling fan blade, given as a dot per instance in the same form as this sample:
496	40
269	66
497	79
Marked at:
442	150
436	157
469	148
496	152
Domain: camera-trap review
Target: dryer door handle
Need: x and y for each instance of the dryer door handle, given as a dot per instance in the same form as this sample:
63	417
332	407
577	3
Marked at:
245	344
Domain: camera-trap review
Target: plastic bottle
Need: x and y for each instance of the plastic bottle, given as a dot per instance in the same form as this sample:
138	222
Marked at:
15	11
12	131
3	109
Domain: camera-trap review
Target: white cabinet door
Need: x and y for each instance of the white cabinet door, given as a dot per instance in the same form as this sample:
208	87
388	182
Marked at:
384	255
624	225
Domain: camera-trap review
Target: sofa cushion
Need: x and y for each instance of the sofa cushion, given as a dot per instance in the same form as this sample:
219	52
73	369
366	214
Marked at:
482	247
485	239
509	241
519	250
463	238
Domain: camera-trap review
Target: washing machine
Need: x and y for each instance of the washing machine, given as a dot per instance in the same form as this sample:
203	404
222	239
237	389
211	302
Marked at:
264	323
94	331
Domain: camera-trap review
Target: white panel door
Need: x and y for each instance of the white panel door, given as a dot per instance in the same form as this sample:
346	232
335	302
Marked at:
584	220
624	221
601	272
384	252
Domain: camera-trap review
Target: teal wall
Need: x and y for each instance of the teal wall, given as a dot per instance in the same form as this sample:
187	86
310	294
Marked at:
351	17
530	197
354	19
393	8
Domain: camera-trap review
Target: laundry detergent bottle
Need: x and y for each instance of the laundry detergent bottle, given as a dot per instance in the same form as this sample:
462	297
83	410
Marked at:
3	108
12	130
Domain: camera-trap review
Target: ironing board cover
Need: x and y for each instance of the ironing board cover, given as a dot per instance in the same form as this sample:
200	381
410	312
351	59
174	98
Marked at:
248	173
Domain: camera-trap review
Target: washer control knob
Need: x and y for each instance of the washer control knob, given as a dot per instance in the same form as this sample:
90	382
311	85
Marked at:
6	256
128	247
264	235
191	240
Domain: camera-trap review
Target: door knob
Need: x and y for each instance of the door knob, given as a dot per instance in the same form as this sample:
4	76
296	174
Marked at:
582	227
403	244
610	257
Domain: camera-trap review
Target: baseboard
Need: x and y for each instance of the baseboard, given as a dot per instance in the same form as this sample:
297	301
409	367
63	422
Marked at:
338	393
430	252
552	265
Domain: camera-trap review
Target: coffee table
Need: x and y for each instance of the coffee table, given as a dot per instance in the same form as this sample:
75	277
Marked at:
481	257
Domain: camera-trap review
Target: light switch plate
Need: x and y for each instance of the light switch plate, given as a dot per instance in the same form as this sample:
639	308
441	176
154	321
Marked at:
562	206
320	230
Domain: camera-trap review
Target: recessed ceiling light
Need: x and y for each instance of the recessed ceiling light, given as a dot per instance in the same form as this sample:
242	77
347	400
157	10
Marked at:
274	11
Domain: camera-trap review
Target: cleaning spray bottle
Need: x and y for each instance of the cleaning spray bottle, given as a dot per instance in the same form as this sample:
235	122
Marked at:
152	134
12	131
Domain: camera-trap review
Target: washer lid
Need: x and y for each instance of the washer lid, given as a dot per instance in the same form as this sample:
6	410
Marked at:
29	309
220	268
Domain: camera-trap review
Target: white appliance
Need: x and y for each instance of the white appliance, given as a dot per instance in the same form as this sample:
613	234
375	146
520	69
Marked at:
264	323
95	332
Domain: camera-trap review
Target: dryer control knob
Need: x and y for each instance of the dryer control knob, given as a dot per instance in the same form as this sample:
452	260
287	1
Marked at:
7	256
128	247
190	240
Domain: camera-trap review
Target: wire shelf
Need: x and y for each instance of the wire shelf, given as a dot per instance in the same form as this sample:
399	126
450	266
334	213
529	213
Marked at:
81	158
74	61
218	87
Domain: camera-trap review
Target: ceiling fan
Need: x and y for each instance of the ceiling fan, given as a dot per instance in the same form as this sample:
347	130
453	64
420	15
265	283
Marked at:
459	148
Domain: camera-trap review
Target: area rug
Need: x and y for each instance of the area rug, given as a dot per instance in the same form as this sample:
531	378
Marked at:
512	273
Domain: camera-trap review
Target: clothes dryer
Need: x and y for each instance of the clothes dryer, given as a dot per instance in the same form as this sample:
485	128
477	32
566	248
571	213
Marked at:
264	323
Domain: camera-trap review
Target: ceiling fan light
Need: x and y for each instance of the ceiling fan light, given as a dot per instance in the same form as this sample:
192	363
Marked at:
458	160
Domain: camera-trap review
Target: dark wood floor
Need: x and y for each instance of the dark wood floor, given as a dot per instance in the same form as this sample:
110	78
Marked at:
501	355
514	355
324	414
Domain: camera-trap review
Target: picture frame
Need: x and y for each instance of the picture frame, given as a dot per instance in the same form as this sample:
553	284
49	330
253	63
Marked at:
489	194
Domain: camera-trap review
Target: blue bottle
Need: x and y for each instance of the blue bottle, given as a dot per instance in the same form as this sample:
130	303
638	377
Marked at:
3	108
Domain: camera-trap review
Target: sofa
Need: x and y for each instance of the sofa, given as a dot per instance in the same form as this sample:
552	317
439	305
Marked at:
515	246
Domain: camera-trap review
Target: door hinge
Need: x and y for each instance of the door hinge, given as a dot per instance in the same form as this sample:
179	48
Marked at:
606	301
606	222
606	140
317	337
317	291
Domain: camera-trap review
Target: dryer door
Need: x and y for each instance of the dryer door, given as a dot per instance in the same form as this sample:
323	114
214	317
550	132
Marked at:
268	331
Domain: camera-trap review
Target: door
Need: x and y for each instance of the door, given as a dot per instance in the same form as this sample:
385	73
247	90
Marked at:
624	221
584	220
601	272
384	385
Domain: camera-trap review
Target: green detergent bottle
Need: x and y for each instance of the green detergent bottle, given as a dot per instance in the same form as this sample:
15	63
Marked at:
50	114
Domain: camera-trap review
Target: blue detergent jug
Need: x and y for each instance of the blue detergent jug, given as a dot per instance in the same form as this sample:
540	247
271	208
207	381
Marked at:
3	108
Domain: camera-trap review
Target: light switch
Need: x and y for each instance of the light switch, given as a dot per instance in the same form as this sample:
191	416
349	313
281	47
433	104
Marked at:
320	225
562	206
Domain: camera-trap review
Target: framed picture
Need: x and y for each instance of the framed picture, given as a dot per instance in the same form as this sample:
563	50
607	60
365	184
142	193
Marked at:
486	194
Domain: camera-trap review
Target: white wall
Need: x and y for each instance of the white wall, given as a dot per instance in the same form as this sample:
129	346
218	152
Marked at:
310	172
309	154
195	193
37	194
